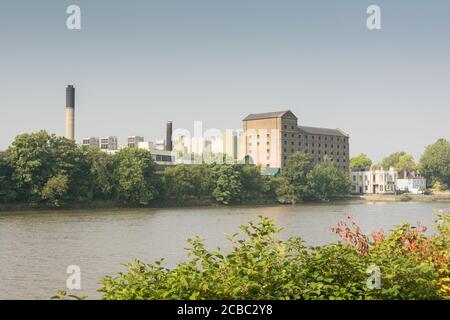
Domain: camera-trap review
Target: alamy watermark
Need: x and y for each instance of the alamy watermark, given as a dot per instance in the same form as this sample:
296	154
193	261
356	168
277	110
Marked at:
73	282
73	21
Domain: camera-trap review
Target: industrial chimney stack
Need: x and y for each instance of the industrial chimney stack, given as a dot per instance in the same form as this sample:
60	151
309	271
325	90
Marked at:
169	136
70	112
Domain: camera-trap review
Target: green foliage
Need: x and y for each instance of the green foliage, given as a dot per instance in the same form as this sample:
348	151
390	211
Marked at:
323	181
284	191
36	159
297	170
405	197
360	162
179	182
101	169
55	190
398	160
326	181
7	192
259	266
229	188
134	176
435	163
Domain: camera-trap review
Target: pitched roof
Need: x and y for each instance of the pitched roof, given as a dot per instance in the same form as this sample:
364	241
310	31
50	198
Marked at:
268	115
322	131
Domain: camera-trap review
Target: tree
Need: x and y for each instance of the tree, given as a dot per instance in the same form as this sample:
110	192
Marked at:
228	187
360	162
100	169
38	157
134	176
179	182
435	163
284	191
298	166
7	192
405	161
398	160
253	183
205	176
327	182
55	190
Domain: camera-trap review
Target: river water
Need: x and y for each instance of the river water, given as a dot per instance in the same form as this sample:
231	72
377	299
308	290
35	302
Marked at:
37	247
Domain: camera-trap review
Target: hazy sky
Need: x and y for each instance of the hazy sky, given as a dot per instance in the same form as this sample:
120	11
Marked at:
137	64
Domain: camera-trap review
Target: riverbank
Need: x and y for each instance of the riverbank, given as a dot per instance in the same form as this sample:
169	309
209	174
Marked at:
111	204
443	197
210	202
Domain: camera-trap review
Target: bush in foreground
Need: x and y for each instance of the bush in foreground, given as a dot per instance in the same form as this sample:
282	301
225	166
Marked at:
411	265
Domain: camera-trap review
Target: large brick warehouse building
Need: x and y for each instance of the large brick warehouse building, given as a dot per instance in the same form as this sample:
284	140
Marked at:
269	139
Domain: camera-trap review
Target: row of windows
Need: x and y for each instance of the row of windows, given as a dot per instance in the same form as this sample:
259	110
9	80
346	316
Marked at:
306	151
305	136
300	144
319	145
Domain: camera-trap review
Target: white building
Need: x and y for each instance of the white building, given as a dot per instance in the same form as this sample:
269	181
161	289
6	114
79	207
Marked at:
213	148
133	141
108	143
160	145
91	141
374	181
160	156
411	181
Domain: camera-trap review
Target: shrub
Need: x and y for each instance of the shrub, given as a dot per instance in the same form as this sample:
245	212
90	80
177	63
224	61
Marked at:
405	197
412	265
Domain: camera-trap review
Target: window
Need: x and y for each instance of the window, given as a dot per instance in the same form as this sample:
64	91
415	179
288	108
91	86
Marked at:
285	126
285	142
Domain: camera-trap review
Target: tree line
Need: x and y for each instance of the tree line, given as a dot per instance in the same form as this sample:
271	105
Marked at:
434	163
44	169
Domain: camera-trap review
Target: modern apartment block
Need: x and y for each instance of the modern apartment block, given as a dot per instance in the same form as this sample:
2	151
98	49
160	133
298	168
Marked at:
133	141
269	139
108	143
91	141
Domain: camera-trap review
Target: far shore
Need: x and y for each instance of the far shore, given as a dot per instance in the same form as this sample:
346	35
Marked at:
208	202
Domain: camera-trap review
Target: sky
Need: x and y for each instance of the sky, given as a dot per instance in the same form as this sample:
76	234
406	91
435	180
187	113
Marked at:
137	64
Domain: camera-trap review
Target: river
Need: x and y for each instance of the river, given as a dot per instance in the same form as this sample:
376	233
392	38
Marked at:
37	247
